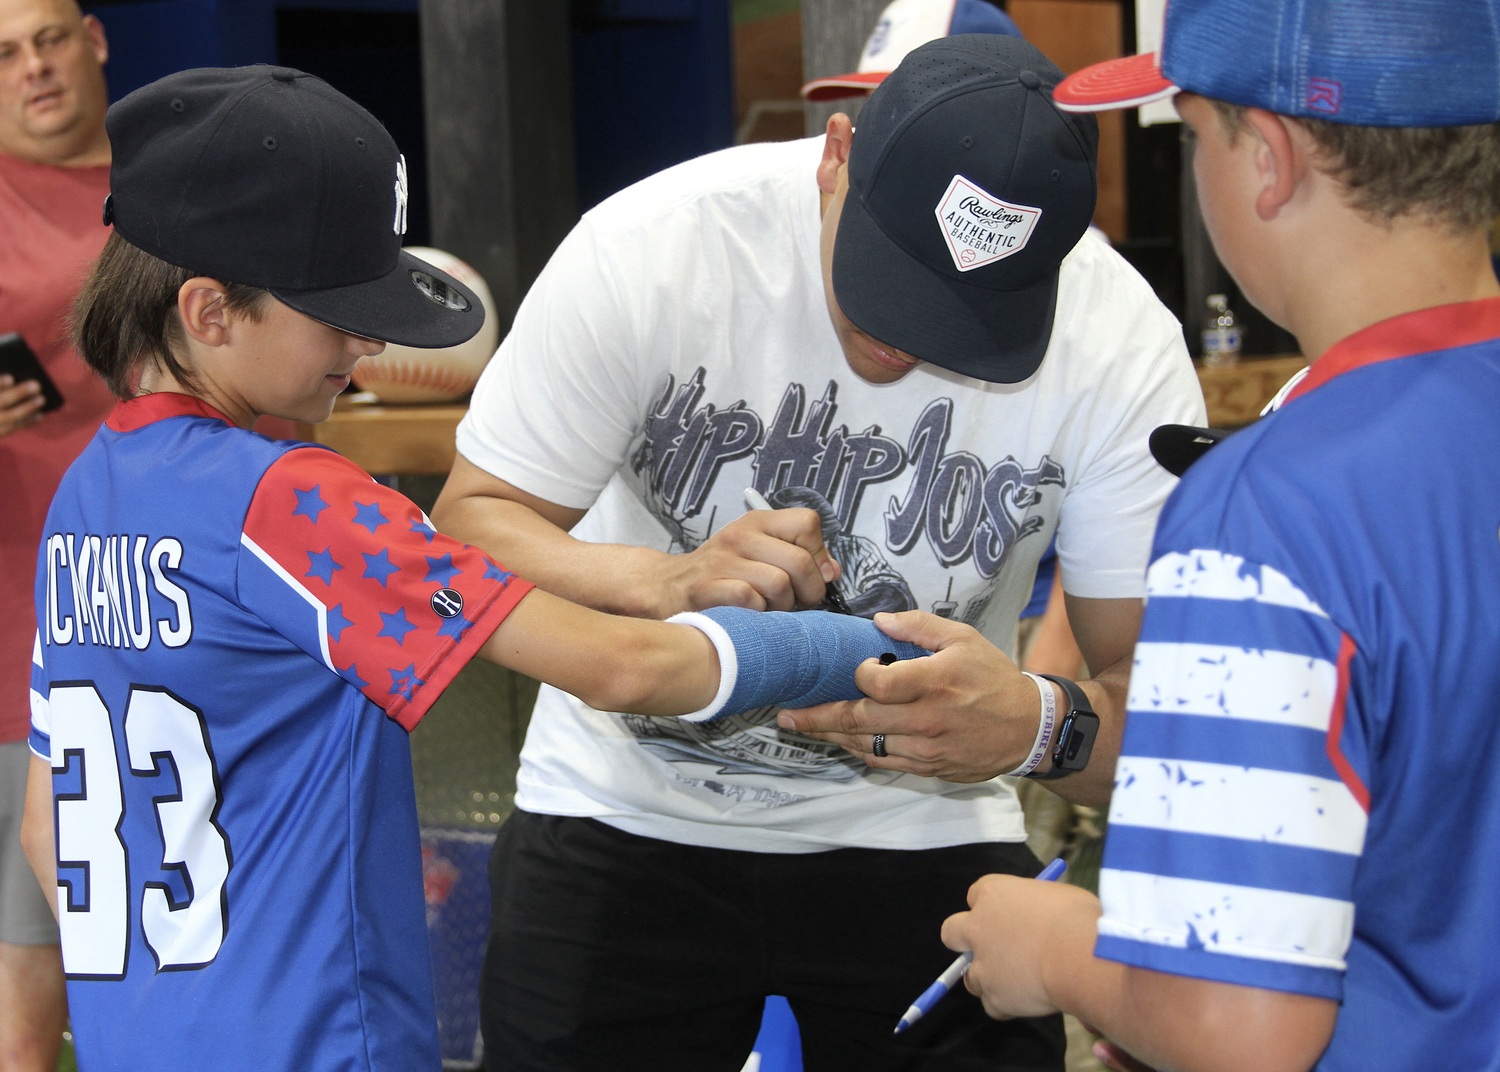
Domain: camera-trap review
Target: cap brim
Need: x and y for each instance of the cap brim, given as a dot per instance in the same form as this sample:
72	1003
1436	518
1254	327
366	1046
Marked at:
1177	446
995	335
415	304
1123	83
858	84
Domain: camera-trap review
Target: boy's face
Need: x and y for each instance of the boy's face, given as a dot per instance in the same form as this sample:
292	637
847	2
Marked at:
52	93
284	364
1225	176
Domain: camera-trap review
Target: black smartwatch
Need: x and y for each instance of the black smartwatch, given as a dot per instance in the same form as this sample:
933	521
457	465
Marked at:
1076	730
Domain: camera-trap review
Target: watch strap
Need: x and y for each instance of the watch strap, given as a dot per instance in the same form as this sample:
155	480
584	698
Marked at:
1076	731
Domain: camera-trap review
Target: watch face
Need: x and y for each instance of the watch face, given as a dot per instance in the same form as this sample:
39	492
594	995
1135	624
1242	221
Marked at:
1075	741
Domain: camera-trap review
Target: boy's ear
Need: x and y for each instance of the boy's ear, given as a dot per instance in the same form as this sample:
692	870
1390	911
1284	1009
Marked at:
836	141
200	305
1282	160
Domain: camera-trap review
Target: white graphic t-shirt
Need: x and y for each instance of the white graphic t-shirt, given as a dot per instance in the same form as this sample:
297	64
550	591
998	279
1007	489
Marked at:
677	349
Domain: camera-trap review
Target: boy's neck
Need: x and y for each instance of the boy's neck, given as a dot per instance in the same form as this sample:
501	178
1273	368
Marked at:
1377	273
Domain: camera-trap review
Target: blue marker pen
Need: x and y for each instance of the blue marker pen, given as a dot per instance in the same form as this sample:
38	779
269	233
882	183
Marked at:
946	982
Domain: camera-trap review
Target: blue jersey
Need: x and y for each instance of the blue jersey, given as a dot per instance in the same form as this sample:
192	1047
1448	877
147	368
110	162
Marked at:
235	636
1308	798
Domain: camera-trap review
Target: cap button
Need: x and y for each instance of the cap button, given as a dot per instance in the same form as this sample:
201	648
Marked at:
283	74
1030	79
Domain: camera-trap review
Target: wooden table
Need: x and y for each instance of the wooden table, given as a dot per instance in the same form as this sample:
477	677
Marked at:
415	440
1235	394
390	440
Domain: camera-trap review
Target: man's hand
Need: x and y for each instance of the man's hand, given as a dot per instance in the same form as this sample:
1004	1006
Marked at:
967	713
762	560
964	714
20	404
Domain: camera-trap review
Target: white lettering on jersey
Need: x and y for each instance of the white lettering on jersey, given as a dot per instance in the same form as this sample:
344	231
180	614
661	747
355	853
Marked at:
109	591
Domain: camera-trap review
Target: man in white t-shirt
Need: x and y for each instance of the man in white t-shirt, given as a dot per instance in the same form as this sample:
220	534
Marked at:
906	344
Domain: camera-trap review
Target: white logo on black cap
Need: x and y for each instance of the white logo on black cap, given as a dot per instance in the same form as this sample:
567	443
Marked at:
400	224
979	227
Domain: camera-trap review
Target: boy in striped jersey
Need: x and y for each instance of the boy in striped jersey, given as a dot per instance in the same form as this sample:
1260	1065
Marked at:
1309	709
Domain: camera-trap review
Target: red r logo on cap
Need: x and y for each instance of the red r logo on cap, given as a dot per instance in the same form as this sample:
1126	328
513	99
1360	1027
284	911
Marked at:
1324	95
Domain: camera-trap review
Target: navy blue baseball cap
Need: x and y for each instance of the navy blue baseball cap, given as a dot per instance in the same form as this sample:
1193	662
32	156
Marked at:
967	188
270	177
1379	63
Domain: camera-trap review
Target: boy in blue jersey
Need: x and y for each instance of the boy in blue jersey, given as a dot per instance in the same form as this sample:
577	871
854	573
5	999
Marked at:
236	634
1300	868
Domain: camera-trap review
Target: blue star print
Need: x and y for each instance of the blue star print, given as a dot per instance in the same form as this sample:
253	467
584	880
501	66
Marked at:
310	503
369	515
396	626
455	627
405	682
441	569
425	529
379	566
321	565
337	623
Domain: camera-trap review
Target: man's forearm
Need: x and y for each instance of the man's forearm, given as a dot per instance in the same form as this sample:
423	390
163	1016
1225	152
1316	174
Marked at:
1093	785
610	577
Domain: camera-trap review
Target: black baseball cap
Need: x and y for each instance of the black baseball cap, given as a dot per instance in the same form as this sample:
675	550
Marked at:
967	188
270	177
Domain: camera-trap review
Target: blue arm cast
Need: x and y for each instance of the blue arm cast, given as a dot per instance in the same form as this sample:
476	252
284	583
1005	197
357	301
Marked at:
789	659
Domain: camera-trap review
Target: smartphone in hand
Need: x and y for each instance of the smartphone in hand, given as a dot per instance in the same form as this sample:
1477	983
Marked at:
17	359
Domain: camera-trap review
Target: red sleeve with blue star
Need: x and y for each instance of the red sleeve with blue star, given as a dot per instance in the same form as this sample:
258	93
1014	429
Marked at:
353	573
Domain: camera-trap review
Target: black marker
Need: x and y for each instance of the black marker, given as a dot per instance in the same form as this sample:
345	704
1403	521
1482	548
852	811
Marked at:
833	599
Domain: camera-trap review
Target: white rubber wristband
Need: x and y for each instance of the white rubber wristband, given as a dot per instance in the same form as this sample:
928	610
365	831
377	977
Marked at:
1043	731
729	666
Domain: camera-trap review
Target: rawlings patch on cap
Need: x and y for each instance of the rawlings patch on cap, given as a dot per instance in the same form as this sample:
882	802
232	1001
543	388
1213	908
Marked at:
967	188
980	228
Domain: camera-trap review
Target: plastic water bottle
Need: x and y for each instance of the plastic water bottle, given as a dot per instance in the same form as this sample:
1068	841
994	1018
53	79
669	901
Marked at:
1221	333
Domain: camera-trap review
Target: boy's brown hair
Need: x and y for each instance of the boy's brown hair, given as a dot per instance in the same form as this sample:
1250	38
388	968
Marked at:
125	317
1449	174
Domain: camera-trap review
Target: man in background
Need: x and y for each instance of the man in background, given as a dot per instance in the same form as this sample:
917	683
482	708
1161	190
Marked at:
54	175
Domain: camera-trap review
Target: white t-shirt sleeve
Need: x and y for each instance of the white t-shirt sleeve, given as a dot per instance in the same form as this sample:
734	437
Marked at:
1143	378
557	406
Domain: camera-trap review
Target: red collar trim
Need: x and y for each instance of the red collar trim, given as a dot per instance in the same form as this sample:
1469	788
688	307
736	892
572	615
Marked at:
1441	327
136	413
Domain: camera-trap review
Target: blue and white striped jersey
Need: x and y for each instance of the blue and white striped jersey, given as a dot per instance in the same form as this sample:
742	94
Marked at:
1308	797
